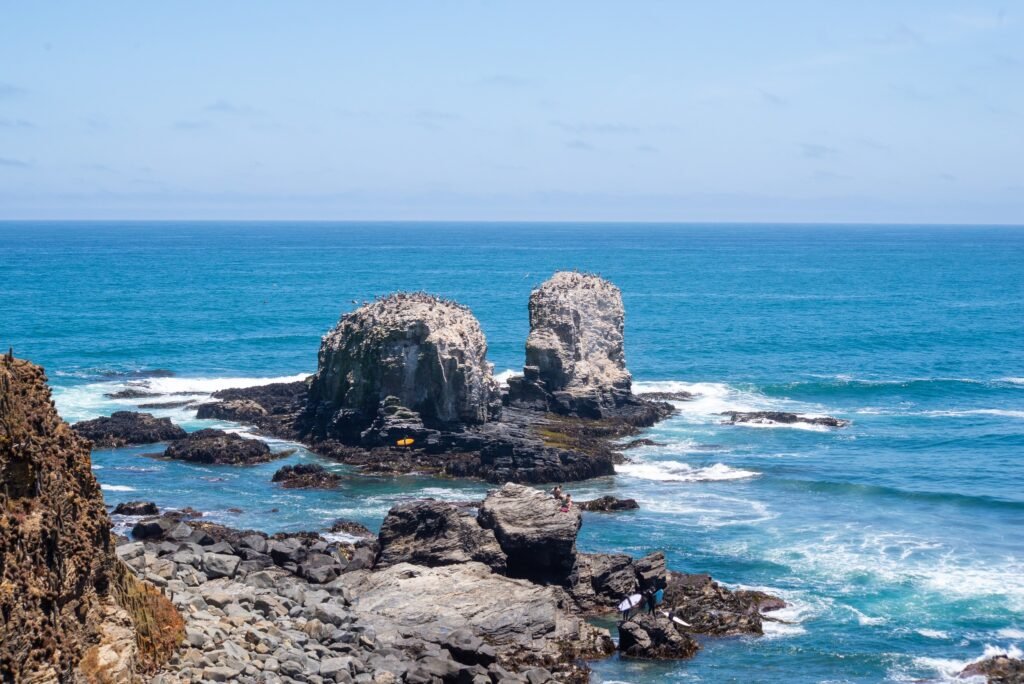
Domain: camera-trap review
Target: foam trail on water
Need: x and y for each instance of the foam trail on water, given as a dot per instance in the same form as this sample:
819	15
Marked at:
676	471
116	488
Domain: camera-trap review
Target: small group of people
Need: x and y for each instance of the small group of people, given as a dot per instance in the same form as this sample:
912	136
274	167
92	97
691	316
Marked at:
564	497
649	598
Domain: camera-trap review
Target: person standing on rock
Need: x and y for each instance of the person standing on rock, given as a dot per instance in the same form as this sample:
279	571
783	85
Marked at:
651	597
557	492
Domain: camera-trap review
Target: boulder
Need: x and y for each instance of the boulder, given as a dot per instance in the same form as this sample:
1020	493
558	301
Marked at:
781	418
998	669
243	410
434	533
536	535
71	609
654	637
427	352
518	619
128	427
136	508
306	476
217	446
609	504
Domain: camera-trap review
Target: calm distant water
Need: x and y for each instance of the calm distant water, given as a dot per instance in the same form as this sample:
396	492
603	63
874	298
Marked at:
899	541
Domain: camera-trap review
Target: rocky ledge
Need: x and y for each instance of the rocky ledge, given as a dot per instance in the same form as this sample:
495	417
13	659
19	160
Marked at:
217	446
781	418
128	427
306	476
609	504
1000	669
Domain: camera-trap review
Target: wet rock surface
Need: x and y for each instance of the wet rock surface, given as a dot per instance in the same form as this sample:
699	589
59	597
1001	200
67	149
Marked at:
609	504
219	447
70	610
136	508
241	410
655	637
713	609
781	418
306	476
123	428
1000	669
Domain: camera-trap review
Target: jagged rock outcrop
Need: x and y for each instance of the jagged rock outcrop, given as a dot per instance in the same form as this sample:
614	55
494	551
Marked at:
710	608
600	580
435	533
70	609
232	409
306	476
781	418
609	504
216	446
427	352
128	427
998	669
575	353
538	537
654	637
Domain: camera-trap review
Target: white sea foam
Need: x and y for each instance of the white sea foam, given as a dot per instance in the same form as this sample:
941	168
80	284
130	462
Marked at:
704	511
676	471
117	488
954	413
866	620
504	375
933	633
341	537
1013	381
948	670
1010	633
82	402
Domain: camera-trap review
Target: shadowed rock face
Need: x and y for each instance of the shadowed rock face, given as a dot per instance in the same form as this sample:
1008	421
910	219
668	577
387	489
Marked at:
435	533
426	352
69	608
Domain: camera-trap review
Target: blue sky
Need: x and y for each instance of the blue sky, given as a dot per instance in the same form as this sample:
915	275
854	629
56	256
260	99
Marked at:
668	111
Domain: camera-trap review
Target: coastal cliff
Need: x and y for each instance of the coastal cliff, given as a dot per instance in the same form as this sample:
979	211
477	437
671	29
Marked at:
70	609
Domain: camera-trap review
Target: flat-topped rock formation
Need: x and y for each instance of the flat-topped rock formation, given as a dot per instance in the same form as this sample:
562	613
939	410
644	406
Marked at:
70	610
427	352
123	428
575	354
781	418
216	446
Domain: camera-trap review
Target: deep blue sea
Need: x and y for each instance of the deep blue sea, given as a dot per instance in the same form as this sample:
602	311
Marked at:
899	541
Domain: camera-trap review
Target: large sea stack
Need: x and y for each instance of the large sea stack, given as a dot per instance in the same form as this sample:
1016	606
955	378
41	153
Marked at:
70	609
575	354
409	357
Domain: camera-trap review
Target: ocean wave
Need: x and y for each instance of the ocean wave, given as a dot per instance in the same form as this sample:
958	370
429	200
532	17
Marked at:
948	669
116	488
933	633
1013	381
676	471
1011	633
955	413
504	375
710	511
82	402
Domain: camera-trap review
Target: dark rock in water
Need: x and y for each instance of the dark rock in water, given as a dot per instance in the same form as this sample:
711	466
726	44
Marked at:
667	396
575	354
712	609
428	352
217	446
70	610
166	404
350	527
131	393
434	533
536	535
232	409
609	504
128	427
136	508
656	638
781	418
634	443
999	669
600	580
306	476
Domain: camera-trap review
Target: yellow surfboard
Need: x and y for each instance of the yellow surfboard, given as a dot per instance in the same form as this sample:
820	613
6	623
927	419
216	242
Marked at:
405	441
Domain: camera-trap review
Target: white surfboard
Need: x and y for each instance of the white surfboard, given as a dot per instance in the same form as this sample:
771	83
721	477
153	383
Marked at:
630	602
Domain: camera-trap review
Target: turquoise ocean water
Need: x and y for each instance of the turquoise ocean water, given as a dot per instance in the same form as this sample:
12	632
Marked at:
899	541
